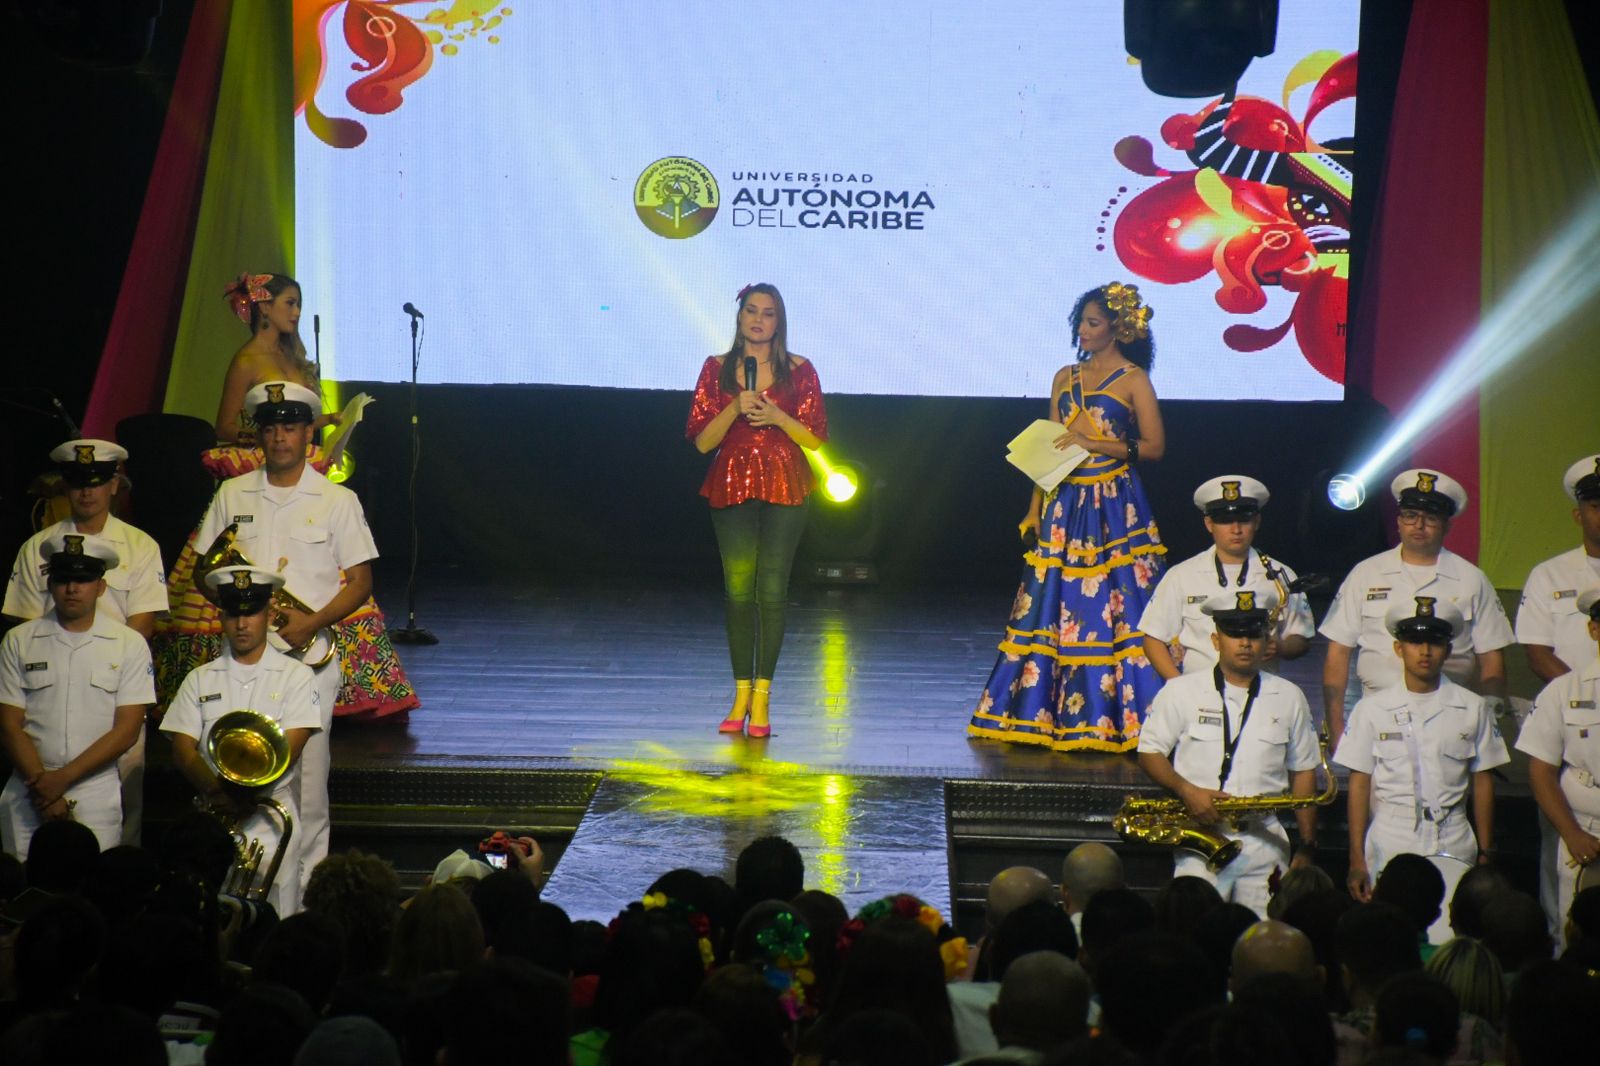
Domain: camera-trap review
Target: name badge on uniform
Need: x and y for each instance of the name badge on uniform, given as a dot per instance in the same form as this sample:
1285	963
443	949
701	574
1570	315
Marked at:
208	699
1391	736
1587	705
1211	719
31	667
1563	594
1583	734
1197	599
242	518
1377	594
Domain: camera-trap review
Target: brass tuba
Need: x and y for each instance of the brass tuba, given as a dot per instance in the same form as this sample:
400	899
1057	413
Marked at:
316	652
1167	821
248	750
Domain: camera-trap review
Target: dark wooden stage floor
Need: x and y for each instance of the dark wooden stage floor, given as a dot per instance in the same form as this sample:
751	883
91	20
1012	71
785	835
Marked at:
588	717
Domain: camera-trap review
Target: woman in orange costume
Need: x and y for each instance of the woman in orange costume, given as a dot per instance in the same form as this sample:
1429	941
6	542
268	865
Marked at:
374	685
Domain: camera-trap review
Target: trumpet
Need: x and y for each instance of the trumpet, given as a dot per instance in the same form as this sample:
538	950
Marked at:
317	651
1167	821
248	750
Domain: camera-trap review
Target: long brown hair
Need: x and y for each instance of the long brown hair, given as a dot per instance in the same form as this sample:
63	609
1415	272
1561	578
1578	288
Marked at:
290	344
782	361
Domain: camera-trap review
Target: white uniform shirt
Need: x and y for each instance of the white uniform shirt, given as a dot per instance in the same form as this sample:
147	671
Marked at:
1564	731
317	530
70	685
281	688
1279	738
1548	613
1448	742
1356	617
1174	609
135	586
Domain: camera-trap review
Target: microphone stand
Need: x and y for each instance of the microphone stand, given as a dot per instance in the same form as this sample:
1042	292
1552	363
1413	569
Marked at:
413	633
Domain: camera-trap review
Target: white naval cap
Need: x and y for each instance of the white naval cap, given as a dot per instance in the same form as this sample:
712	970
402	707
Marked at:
1241	612
1423	616
1429	490
281	401
1231	494
1582	480
244	589
1589	601
86	462
78	556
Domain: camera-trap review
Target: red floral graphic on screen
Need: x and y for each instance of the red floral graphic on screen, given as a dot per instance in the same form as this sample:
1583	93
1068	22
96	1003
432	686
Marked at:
393	49
1266	205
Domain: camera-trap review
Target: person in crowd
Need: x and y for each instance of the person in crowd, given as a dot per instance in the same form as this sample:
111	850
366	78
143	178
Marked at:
1416	750
372	683
1196	735
1518	933
893	963
1419	1012
1009	889
304	952
1232	507
655	959
1420	566
1562	741
1072	673
1475	893
747	1010
250	675
1583	917
1147	983
824	915
316	533
1113	913
1039	926
264	1025
340	1041
74	690
1087	869
1473	973
1416	886
1215	936
135	588
1272	1019
438	931
361	893
1295	885
1183	902
1274	947
759	406
1550	1013
768	867
1317	916
1043	1002
1376	943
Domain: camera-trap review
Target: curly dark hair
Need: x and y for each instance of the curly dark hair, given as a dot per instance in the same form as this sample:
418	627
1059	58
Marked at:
1141	353
361	893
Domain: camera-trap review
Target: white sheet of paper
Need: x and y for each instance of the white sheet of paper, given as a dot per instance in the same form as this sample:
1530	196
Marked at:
1033	451
336	439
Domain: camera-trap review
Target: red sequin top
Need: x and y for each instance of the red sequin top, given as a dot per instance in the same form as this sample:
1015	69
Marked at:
758	463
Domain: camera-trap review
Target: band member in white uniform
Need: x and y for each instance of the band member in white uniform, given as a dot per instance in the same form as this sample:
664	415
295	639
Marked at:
1562	741
1420	566
1236	731
136	589
1414	751
1550	628
1232	507
297	523
74	690
249	675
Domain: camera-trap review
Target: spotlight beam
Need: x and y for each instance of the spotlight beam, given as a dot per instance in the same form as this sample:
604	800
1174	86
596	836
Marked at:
1554	288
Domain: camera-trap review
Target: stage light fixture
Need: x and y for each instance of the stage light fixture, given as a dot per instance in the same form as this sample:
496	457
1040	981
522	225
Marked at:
1559	285
1195	48
840	484
1346	493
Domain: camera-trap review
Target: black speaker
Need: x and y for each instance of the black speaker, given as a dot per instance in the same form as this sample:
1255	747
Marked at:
1196	48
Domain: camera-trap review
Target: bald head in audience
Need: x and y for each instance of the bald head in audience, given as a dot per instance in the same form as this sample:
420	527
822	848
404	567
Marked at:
1274	947
1087	869
1044	1001
1014	887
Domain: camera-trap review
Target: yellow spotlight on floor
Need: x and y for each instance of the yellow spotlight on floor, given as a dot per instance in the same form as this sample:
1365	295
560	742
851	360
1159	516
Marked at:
840	484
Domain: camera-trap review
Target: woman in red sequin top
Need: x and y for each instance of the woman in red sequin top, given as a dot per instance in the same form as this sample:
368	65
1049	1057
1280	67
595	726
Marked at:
757	485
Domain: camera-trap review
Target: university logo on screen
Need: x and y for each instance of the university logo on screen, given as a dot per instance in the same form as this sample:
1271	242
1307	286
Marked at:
677	197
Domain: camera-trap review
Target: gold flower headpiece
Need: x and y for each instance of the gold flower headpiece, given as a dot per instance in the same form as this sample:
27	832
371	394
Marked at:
1133	315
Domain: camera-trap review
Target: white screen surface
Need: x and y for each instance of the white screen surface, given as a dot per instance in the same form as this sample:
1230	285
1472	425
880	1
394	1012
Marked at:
499	195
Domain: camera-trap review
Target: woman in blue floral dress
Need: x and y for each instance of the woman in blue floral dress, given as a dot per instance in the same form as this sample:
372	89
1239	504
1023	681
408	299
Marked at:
1072	673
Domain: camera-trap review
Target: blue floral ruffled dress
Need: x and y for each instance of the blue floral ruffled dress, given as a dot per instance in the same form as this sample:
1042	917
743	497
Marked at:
1072	673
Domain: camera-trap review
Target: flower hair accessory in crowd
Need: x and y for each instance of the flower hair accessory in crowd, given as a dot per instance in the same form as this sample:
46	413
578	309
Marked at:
739	299
952	948
696	919
1133	316
784	961
247	289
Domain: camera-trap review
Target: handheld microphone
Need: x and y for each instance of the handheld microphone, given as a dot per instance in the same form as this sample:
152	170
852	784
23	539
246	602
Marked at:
412	311
316	341
750	373
316	325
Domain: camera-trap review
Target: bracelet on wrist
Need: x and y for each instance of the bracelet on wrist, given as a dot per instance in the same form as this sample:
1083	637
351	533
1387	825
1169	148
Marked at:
1133	450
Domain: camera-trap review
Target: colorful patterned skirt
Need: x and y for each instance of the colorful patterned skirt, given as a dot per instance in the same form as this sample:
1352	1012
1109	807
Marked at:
1072	673
373	686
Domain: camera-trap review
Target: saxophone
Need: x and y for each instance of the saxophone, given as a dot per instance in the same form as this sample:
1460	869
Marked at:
1167	821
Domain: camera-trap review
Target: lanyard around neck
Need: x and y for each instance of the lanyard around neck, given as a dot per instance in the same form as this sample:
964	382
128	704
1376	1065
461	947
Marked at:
1230	740
1222	578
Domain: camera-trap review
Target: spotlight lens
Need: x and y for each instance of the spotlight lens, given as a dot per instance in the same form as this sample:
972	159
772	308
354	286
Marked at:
840	484
1346	492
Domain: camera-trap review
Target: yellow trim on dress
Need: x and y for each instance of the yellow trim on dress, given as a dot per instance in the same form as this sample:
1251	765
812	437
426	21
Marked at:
1046	741
1033	559
1113	659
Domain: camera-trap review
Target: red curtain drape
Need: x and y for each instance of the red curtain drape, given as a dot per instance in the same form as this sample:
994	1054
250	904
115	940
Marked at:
132	377
1421	289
